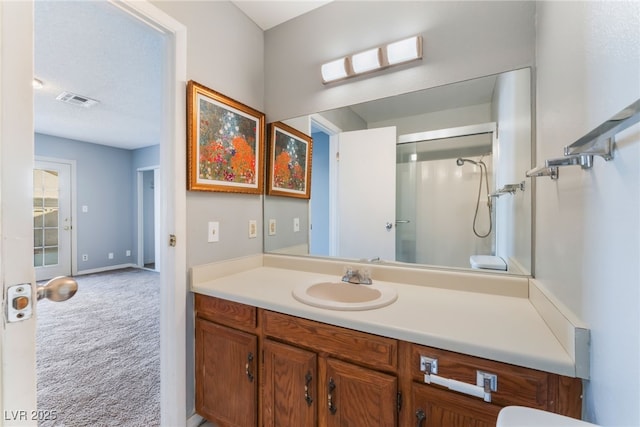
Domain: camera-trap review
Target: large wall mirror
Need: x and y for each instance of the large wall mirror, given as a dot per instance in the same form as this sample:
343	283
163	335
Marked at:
434	177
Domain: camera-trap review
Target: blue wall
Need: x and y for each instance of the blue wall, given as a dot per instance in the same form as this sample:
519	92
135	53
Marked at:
105	183
319	244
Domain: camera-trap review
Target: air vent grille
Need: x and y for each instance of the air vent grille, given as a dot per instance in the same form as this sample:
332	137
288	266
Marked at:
75	99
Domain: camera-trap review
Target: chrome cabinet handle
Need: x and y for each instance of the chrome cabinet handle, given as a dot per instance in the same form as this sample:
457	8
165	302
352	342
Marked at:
332	406
247	371
307	382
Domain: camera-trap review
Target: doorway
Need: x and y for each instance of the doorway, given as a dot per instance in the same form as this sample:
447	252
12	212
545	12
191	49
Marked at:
148	217
111	256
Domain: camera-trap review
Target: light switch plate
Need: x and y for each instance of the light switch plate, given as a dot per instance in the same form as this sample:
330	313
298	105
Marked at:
214	232
272	227
296	225
253	229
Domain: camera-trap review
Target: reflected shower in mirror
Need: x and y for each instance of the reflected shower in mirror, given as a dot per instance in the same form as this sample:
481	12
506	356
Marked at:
417	178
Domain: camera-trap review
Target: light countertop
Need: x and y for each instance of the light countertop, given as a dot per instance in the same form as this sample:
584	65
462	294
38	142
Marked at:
489	325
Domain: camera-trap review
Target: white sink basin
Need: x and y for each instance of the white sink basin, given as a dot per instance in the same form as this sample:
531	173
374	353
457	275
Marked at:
345	296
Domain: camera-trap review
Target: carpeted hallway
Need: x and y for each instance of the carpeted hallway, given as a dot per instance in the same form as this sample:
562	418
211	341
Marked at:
98	354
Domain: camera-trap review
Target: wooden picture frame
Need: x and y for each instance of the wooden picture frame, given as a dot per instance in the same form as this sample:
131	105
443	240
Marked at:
225	143
289	162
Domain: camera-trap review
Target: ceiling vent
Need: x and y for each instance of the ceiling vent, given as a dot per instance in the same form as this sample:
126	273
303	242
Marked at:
75	99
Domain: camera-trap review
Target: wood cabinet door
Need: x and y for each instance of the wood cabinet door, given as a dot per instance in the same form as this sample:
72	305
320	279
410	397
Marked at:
226	383
357	396
290	386
434	407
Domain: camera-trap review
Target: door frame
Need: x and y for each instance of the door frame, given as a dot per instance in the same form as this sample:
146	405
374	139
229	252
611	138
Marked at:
333	131
74	207
140	214
17	340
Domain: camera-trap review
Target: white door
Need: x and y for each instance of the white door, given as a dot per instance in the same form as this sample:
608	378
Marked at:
367	194
17	339
52	219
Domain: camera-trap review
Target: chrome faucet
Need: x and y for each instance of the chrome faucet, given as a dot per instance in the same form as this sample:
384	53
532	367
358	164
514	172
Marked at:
356	277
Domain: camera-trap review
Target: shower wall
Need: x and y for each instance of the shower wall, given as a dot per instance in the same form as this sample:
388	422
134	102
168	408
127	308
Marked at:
441	212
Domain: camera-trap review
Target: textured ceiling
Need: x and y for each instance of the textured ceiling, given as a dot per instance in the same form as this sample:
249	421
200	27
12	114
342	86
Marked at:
96	50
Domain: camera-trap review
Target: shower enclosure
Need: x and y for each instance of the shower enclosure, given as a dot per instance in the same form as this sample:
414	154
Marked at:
443	210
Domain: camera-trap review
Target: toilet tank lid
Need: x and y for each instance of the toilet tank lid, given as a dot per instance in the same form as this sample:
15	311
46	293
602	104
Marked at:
487	261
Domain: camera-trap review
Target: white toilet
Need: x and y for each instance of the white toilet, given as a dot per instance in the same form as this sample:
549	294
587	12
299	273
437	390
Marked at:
519	416
487	262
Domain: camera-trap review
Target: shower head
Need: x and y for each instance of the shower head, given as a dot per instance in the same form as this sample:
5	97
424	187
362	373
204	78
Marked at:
460	161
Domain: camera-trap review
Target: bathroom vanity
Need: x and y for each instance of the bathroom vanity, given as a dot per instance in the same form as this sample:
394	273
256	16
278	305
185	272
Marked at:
453	349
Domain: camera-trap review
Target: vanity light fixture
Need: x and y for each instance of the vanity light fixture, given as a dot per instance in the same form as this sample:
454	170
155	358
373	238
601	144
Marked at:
368	60
399	52
334	70
404	50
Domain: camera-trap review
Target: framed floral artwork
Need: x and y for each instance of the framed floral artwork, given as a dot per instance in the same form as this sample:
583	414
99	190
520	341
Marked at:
289	162
225	143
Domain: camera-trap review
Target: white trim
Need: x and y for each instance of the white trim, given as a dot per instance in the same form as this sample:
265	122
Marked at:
334	146
107	268
448	133
194	421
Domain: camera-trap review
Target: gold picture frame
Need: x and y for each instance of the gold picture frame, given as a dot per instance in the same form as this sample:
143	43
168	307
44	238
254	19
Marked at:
290	154
225	143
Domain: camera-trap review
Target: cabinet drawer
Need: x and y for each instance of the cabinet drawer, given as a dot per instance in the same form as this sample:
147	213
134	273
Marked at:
226	312
365	349
515	385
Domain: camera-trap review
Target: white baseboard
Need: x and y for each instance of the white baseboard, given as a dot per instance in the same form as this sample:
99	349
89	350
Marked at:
108	268
194	420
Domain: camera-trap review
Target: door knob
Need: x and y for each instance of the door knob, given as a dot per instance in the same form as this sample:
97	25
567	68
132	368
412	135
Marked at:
58	289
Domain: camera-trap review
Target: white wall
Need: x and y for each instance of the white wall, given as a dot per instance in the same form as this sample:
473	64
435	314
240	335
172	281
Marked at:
588	222
462	40
224	53
512	113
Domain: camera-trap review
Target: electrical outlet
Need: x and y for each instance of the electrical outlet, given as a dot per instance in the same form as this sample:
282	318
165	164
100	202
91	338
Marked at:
253	229
110	256
85	208
214	232
296	225
85	257
272	227
128	253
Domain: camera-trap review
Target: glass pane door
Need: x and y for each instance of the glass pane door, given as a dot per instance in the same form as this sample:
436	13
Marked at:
46	217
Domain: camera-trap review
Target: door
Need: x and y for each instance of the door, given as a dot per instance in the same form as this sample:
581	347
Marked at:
226	375
52	219
435	407
17	339
290	386
358	396
367	194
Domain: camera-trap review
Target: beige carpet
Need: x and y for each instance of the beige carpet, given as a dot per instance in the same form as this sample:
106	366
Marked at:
98	354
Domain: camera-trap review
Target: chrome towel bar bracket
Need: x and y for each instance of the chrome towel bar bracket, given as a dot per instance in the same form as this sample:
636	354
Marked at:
599	142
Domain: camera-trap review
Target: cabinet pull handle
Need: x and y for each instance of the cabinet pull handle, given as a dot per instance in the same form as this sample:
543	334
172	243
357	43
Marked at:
247	371
307	382
420	416
332	387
